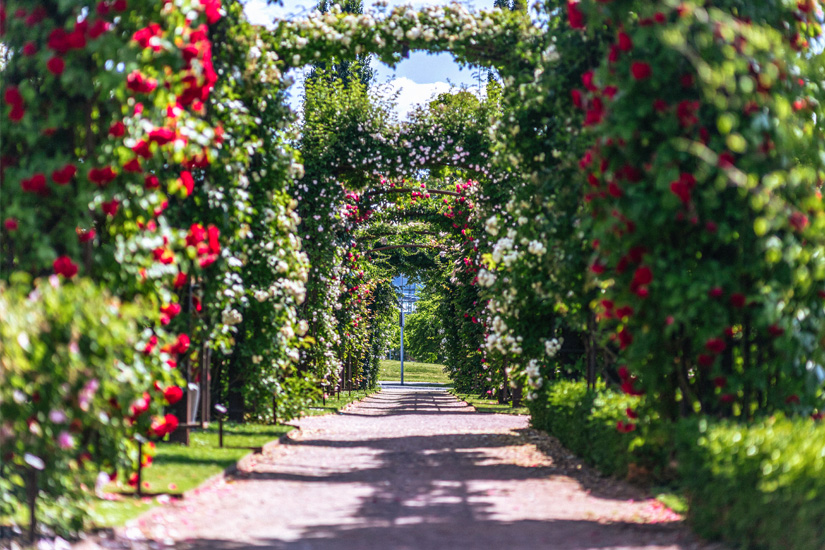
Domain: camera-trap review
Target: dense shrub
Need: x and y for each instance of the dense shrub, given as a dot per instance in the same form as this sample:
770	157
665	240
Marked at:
72	393
586	421
758	486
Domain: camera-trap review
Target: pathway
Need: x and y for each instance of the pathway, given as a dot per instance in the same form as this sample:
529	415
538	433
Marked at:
414	468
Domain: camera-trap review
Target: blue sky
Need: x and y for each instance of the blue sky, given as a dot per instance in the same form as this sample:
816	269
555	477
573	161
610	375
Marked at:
416	79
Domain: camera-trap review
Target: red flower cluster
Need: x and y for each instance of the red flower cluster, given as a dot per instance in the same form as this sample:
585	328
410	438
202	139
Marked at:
35	184
65	266
64	175
14	99
206	242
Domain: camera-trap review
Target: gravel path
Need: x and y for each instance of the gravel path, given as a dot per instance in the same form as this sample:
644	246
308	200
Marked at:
415	469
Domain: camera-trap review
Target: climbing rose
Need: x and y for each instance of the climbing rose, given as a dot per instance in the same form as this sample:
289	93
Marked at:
64	175
575	16
11	224
102	176
715	345
110	208
56	66
173	394
640	70
35	184
117	129
625	43
64	266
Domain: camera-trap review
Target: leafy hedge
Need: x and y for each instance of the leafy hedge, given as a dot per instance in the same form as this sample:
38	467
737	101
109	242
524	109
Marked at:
585	422
757	486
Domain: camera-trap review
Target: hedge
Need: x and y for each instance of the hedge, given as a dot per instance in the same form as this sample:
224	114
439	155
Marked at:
758	486
585	422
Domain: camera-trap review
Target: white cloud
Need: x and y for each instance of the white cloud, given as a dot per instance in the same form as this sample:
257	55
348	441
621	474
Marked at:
412	93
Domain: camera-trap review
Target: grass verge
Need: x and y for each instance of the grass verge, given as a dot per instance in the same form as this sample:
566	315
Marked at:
484	405
390	371
177	468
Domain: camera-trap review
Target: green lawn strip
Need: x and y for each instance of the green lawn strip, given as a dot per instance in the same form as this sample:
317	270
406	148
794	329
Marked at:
390	371
484	405
178	468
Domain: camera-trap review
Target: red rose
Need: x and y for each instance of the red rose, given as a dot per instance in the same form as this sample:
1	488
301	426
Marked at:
138	83
102	176
120	5
706	360
631	413
587	80
214	242
624	374
625	311
640	70
64	175
29	49
798	221
187	182
715	292
625	338
776	330
196	234
206	261
162	136
151	182
642	276
98	28
12	96
737	300
142	149
110	208
212	10
181	344
576	96
624	42
173	394
117	129
715	345
180	280
64	266
133	166
35	184
85	235
171	423
720	382
686	113
575	17
11	224
76	40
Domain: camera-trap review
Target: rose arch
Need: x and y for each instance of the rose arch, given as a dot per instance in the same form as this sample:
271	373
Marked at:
635	202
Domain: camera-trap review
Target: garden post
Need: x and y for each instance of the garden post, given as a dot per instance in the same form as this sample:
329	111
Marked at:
32	494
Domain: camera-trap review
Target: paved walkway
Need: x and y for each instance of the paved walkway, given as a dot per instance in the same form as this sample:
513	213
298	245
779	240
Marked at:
414	468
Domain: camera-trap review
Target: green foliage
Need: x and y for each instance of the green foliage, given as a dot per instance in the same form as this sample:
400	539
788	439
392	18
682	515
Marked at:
585	422
423	333
70	374
756	486
707	223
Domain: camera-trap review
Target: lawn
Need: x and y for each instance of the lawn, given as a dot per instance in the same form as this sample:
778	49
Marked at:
178	468
390	371
484	405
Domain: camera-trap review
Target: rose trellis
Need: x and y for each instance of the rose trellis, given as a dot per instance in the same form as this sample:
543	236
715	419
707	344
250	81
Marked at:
637	198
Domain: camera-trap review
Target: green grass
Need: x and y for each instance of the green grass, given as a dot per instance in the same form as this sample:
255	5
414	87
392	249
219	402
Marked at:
390	371
177	468
484	405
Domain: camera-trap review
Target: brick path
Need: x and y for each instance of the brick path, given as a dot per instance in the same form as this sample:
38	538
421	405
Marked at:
415	469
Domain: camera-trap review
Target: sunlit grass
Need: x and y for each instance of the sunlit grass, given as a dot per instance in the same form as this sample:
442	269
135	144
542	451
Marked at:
390	371
484	405
178	468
